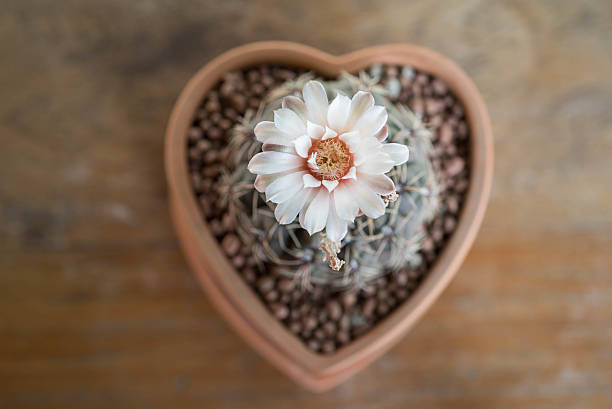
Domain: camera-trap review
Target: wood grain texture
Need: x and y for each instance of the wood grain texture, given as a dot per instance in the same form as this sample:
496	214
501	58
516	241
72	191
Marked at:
98	308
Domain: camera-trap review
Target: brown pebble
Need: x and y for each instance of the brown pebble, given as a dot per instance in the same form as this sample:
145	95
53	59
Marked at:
212	106
194	154
305	308
203	145
238	102
271	295
449	224
231	113
437	234
345	322
454	166
314	345
368	307
445	133
204	205
249	275
225	124
226	89
382	309
265	284
322	316
238	261
295	327
427	244
280	311
230	244
330	328
205	124
215	118
216	227
348	299
433	106
417	106
258	89
401	293
458	110
435	121
452	204
227	222
195	133
285	285
309	323
402	278
461	185
382	294
328	347
439	87
267	80
319	334
253	76
214	133
343	337
334	310
361	329
210	157
421	79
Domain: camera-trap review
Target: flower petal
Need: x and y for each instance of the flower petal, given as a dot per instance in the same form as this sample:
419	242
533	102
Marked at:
315	217
296	105
329	133
351	139
316	102
287	211
314	131
380	184
397	152
369	202
336	227
360	103
365	149
330	184
310	181
289	122
376	163
302	145
285	187
267	132
382	134
372	121
338	112
265	163
351	174
263	181
266	147
346	206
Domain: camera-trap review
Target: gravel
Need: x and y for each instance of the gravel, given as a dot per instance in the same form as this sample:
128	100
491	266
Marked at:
323	319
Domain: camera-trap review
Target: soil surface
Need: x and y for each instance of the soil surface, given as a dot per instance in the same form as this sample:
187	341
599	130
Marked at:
326	319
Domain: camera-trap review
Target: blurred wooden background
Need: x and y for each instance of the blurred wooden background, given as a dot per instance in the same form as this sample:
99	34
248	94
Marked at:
98	308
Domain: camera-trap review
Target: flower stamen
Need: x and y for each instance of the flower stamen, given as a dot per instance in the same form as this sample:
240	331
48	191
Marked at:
329	159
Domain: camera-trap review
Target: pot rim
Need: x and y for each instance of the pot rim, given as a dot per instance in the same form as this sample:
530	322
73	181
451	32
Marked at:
233	297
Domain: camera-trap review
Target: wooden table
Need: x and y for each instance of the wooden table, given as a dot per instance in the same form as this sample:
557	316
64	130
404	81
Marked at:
98	308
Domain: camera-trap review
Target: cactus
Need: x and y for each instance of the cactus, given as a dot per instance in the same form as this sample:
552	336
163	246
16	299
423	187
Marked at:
371	247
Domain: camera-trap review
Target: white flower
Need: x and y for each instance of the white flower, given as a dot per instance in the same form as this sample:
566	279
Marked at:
326	162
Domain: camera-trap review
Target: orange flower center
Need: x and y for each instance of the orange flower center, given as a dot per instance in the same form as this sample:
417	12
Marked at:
329	159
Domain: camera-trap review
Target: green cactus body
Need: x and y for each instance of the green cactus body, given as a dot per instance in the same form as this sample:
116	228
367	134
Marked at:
372	247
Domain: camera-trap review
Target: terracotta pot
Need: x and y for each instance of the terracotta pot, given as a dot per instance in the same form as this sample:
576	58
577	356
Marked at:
227	290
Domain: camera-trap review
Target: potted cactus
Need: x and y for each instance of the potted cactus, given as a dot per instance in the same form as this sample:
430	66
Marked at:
325	201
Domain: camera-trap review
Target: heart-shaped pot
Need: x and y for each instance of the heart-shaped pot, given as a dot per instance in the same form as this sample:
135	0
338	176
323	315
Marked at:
233	297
